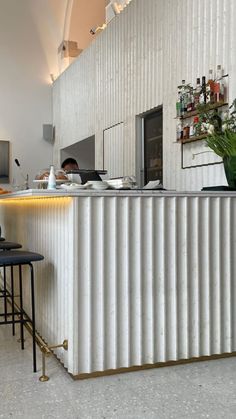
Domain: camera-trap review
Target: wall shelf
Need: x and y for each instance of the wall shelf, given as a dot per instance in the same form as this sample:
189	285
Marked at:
189	115
209	108
195	145
191	139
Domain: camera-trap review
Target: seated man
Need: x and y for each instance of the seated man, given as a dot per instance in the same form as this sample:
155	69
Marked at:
69	164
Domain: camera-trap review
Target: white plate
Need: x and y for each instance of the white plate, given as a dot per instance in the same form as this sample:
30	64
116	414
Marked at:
46	181
98	188
72	187
96	184
118	185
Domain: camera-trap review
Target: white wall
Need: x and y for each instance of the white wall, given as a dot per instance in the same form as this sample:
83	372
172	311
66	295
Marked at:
135	65
30	34
83	152
26	92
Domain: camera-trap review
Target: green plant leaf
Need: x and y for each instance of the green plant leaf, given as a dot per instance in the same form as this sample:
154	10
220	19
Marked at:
223	140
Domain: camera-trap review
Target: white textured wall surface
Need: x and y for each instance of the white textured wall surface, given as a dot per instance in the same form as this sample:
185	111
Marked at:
135	65
25	84
164	287
131	280
113	151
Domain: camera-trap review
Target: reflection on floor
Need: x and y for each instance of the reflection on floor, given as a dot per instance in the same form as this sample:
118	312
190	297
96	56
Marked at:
198	390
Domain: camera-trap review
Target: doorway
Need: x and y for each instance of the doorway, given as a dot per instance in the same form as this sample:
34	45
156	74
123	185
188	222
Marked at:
150	146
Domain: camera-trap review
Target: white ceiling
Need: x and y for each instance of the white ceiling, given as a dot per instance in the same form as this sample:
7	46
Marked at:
58	20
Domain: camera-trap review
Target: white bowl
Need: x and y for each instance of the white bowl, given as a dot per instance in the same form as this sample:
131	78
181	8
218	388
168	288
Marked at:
97	184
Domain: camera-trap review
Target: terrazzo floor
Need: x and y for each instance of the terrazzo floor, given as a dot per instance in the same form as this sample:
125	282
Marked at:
197	390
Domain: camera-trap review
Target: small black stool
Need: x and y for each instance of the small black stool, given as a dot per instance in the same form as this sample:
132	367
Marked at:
10	258
8	246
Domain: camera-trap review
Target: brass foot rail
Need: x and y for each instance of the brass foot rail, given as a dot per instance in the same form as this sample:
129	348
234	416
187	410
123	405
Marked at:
47	351
44	348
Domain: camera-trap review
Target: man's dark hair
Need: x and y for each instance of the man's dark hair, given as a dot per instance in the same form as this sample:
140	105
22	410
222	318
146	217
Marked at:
70	160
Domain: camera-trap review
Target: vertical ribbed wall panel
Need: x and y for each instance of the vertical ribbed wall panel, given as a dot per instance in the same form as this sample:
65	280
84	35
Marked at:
46	226
74	101
113	147
156	281
135	65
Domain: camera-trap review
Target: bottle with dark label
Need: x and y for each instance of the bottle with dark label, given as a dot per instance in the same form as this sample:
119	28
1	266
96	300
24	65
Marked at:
197	93
179	132
184	97
203	94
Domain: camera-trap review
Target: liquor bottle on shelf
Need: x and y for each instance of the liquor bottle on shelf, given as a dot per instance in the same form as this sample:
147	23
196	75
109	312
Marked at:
179	104
190	101
203	91
197	93
226	86
191	129
186	132
179	132
192	98
183	98
196	125
210	88
219	85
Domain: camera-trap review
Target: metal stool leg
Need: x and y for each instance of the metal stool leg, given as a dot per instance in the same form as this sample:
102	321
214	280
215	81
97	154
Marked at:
13	259
5	292
12	302
21	309
33	317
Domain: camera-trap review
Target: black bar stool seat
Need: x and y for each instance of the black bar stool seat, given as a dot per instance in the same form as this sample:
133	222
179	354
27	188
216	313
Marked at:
10	258
4	245
18	257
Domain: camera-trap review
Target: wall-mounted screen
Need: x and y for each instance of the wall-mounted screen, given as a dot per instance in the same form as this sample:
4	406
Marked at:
4	161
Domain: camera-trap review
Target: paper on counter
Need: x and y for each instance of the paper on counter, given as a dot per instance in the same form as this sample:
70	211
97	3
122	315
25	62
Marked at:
153	184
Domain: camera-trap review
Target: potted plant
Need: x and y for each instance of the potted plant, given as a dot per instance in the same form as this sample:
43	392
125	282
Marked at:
221	136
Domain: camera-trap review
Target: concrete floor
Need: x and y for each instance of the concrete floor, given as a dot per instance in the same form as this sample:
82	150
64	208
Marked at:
197	390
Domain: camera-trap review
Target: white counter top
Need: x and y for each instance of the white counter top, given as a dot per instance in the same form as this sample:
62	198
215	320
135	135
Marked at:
44	193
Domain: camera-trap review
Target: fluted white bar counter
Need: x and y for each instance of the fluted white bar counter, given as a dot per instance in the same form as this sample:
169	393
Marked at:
130	278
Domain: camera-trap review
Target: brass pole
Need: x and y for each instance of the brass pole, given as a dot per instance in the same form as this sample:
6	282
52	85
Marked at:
63	345
43	377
